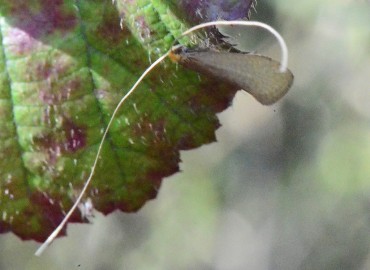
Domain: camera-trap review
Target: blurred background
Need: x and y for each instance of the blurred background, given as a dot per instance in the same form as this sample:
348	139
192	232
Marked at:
285	187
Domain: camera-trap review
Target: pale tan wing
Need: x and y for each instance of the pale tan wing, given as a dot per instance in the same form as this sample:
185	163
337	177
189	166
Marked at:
259	75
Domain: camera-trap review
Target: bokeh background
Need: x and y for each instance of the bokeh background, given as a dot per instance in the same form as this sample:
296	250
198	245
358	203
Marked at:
285	187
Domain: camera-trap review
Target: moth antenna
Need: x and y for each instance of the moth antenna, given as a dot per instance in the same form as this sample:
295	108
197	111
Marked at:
55	233
283	46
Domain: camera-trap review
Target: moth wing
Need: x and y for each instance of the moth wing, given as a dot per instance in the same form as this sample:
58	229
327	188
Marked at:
257	74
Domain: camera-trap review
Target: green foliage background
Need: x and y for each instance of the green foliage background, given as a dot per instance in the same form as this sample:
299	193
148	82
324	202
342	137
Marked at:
286	187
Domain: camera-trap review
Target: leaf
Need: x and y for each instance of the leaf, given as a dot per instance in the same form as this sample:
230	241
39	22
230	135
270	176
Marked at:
64	65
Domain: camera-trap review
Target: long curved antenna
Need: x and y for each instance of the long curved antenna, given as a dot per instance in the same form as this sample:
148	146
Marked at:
283	46
55	233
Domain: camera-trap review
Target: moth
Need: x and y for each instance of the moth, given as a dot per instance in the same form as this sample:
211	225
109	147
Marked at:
257	74
264	78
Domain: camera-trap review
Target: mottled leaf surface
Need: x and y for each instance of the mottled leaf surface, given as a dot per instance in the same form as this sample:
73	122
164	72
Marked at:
64	65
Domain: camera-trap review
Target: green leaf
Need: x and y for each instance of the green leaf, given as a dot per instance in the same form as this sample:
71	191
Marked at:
64	65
